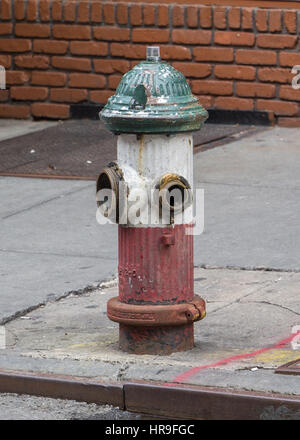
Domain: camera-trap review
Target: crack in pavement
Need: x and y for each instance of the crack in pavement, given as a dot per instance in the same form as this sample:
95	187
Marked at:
246	268
122	371
88	289
43	202
273	304
249	185
57	254
238	300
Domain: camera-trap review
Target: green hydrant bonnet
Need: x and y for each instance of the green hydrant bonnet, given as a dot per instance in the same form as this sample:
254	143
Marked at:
153	97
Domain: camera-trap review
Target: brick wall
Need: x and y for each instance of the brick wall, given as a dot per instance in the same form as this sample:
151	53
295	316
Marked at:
58	53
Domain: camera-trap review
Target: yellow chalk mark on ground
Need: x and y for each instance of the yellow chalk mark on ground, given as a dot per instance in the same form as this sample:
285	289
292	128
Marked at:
278	355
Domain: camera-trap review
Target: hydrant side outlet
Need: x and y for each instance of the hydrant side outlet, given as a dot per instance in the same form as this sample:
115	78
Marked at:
154	112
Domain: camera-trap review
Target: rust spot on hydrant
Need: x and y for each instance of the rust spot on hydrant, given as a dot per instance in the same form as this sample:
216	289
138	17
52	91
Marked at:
168	239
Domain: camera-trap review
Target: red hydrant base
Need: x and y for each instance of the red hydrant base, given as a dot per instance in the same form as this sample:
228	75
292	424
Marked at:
156	340
155	269
156	265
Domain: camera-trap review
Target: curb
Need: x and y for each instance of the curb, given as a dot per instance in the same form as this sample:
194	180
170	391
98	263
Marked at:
163	400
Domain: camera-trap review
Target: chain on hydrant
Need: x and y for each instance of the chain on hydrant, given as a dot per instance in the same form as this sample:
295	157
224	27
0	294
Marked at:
148	192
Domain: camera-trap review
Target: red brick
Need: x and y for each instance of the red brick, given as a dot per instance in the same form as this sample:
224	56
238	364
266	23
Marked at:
261	20
205	16
14	111
68	63
122	13
19	6
256	57
178	16
50	46
226	38
289	122
254	90
32	10
195	70
70	11
49	78
89	81
287	92
150	35
29	93
113	81
5	10
269	74
71	32
175	53
274	20
234	18
278	107
234	103
213	54
220	17
17	45
100	96
192	16
163	15
57	10
88	48
5	60
83	14
4	95
109	13
32	30
44	10
191	36
235	72
111	66
16	77
5	28
206	101
128	50
111	33
290	21
135	15
247	18
149	15
32	61
212	87
96	12
53	111
276	41
289	59
68	95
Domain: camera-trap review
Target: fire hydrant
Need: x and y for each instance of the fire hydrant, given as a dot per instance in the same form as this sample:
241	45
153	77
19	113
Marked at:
153	113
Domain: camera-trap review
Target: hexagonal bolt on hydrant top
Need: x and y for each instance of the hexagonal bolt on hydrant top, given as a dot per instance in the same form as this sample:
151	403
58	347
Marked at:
148	192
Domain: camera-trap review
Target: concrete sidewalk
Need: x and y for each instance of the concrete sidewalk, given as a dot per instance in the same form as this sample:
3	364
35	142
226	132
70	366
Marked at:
51	247
246	311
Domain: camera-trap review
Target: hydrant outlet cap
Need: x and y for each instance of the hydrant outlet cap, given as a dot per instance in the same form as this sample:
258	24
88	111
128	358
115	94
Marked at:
153	97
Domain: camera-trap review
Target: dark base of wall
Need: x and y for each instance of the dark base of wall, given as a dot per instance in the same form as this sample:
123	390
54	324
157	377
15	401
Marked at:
85	111
242	117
